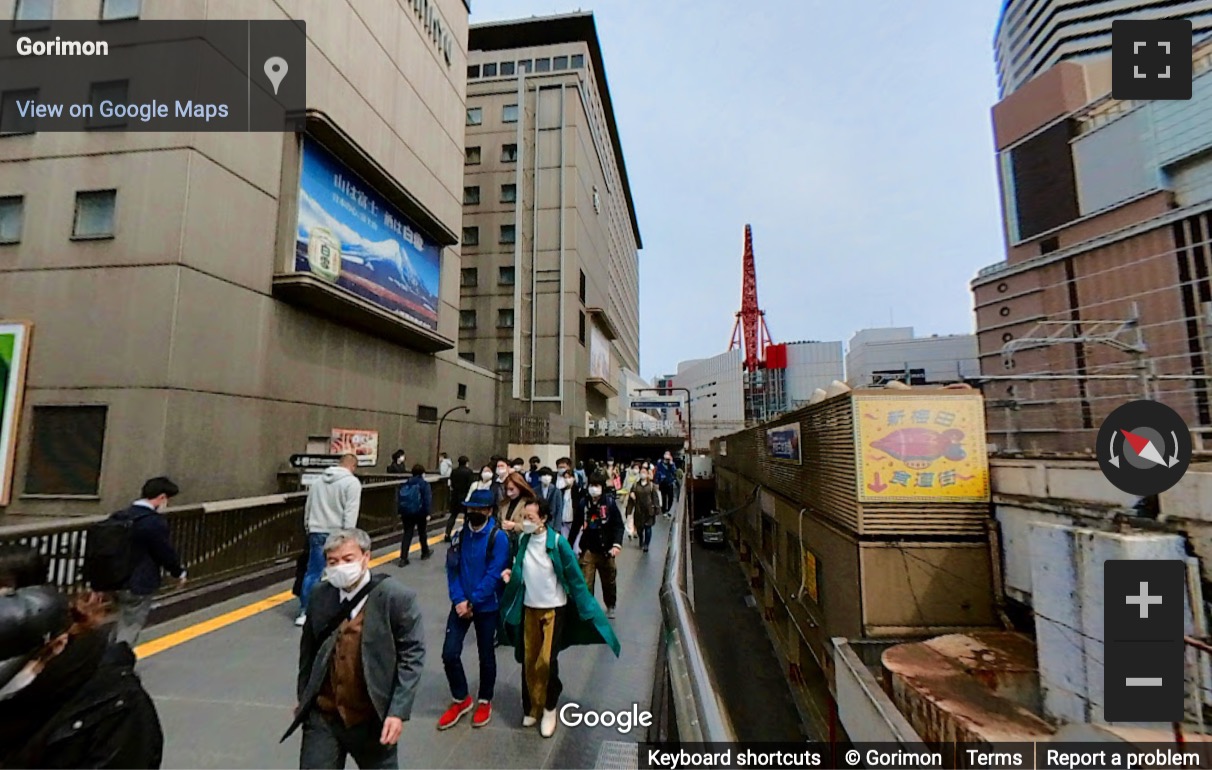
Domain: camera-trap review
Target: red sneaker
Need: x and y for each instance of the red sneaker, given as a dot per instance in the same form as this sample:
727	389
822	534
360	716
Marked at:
455	712
482	715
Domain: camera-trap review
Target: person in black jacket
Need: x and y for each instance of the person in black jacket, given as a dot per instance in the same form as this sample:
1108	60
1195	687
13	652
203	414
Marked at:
153	551
461	479
73	698
397	462
598	532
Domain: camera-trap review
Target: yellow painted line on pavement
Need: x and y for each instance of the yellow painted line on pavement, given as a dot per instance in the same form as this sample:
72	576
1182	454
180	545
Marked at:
189	633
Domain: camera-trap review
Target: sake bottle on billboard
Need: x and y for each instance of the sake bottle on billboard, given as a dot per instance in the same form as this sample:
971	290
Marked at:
324	253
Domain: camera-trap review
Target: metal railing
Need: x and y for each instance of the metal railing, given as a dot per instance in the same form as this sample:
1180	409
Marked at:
686	702
218	540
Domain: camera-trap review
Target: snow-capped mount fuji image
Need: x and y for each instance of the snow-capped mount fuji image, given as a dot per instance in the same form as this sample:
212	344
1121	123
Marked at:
375	263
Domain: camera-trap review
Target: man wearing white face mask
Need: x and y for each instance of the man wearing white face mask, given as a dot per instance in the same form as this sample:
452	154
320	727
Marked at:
549	491
360	659
567	484
599	525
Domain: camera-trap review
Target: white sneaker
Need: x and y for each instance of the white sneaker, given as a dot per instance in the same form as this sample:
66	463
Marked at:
302	619
547	729
528	721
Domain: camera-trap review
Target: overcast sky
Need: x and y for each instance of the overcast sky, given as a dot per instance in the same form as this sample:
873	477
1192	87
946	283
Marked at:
853	136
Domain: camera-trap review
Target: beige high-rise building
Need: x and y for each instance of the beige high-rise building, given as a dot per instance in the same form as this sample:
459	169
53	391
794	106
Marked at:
189	318
550	280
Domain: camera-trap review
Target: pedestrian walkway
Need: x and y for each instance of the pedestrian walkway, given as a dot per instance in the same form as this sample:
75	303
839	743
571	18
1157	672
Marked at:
224	680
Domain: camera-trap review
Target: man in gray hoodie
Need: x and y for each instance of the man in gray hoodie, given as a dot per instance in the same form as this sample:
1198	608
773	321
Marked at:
333	502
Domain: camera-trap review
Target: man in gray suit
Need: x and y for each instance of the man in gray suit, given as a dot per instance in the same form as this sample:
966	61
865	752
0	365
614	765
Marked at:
360	661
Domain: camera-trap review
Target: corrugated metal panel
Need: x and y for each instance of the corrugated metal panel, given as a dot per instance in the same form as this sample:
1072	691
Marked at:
826	482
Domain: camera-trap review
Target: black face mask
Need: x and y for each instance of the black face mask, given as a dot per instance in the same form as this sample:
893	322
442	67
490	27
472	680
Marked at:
477	518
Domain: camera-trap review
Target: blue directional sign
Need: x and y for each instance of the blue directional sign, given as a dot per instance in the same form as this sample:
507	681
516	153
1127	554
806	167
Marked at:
655	404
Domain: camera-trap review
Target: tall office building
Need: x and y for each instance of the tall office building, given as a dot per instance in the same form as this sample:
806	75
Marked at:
550	276
182	323
1105	294
1034	35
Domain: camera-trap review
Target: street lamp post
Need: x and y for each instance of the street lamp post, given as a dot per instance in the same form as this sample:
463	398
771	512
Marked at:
689	443
438	452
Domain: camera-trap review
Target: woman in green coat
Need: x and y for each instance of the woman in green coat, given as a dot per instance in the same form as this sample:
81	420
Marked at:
547	607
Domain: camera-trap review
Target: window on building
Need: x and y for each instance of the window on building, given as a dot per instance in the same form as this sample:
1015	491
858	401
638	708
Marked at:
1049	245
509	153
467	319
115	91
578	62
597	201
490	70
468	356
471	196
506	275
427	413
33	10
505	318
470	277
507	68
472	156
65	450
525	65
475	116
581	291
113	10
504	362
508	234
509	114
509	193
12	209
94	214
12	122
461	392
473	71
542	65
559	63
581	329
471	236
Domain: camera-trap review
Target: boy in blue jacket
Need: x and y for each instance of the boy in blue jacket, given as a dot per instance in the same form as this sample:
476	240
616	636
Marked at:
478	554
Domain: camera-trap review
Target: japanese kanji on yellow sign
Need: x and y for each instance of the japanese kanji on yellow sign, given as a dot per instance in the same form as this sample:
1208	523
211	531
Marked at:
920	449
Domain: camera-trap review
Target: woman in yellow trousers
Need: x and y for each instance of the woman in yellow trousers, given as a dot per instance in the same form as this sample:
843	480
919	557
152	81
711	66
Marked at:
547	608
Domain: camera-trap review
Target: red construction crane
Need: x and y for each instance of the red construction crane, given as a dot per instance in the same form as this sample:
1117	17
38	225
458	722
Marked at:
751	319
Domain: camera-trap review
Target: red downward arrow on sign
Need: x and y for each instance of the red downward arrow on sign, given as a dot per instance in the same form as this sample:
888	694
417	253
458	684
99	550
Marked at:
877	485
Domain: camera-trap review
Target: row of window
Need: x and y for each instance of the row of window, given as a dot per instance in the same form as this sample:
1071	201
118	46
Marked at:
469	320
507	69
471	194
44	10
504	360
94	216
508	236
475	115
509	154
470	277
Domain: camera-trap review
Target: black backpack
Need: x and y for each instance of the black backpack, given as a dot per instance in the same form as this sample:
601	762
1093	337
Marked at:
109	553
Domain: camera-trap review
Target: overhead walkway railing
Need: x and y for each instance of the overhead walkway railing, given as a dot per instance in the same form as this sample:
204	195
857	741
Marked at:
222	540
686	706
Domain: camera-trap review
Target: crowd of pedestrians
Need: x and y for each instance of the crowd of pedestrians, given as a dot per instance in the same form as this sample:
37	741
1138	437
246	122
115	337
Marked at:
525	549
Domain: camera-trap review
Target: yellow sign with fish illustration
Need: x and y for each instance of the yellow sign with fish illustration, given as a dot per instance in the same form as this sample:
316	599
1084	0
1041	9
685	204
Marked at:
921	449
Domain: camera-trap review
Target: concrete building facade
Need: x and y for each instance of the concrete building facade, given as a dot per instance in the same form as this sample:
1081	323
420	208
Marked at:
1108	223
878	356
550	280
1034	35
174	332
